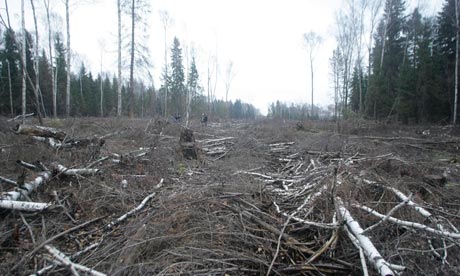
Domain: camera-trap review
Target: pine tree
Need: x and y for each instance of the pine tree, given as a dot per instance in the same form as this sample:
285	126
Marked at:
60	73
445	49
388	56
177	79
11	73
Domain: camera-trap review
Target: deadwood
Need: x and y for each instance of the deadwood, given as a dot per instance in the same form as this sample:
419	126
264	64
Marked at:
40	131
62	259
372	254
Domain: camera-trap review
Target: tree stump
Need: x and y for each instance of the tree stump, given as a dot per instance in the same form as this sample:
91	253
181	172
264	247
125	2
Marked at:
188	145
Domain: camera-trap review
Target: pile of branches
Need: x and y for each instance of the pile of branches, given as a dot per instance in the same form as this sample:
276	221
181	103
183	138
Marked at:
345	196
304	212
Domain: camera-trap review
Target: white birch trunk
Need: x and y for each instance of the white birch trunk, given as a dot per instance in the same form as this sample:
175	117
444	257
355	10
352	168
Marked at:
135	210
410	224
370	251
132	212
457	37
27	188
23	57
50	49
73	172
119	59
67	89
61	258
24	205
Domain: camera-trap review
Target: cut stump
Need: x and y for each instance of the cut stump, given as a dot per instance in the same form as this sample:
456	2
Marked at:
188	144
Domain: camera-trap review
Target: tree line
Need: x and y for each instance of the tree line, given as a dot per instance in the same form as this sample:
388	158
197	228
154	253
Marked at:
45	75
412	66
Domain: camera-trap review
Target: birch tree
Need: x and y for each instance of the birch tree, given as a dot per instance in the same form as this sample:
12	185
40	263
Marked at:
167	22
311	42
23	58
102	48
229	75
119	102
346	40
46	3
457	37
131	66
37	91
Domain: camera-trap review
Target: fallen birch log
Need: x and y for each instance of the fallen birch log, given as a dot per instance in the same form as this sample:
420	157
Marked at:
7	180
40	131
368	247
410	224
23	205
212	141
54	143
133	211
27	188
73	172
64	260
20	116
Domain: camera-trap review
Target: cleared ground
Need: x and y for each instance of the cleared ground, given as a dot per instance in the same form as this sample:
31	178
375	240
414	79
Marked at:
263	196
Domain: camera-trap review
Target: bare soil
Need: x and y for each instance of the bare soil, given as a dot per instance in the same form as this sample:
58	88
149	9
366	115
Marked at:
260	198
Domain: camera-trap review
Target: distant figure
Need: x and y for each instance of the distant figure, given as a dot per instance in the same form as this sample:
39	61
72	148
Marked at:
204	119
176	117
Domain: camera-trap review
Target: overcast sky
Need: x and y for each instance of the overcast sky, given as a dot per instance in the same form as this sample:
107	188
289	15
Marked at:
263	39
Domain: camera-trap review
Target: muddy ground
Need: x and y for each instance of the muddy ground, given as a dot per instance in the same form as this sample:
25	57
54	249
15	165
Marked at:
262	198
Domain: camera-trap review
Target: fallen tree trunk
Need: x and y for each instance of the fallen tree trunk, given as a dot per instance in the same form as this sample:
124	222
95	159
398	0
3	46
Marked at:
414	225
133	211
27	188
40	131
73	172
23	205
370	251
62	259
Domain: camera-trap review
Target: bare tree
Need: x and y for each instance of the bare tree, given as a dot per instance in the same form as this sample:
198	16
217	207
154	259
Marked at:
8	26
102	47
37	91
23	58
131	66
167	21
7	14
229	75
50	48
10	88
68	56
119	59
457	37
312	41
346	37
336	72
373	7
210	72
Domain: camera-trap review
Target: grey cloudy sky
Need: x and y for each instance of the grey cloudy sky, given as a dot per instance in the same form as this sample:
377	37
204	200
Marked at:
263	39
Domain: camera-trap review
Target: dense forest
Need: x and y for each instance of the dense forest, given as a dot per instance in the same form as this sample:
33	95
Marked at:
46	76
390	64
410	73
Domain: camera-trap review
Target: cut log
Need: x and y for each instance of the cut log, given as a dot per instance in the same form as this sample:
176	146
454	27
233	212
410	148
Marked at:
23	205
27	188
54	143
40	131
368	247
73	172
